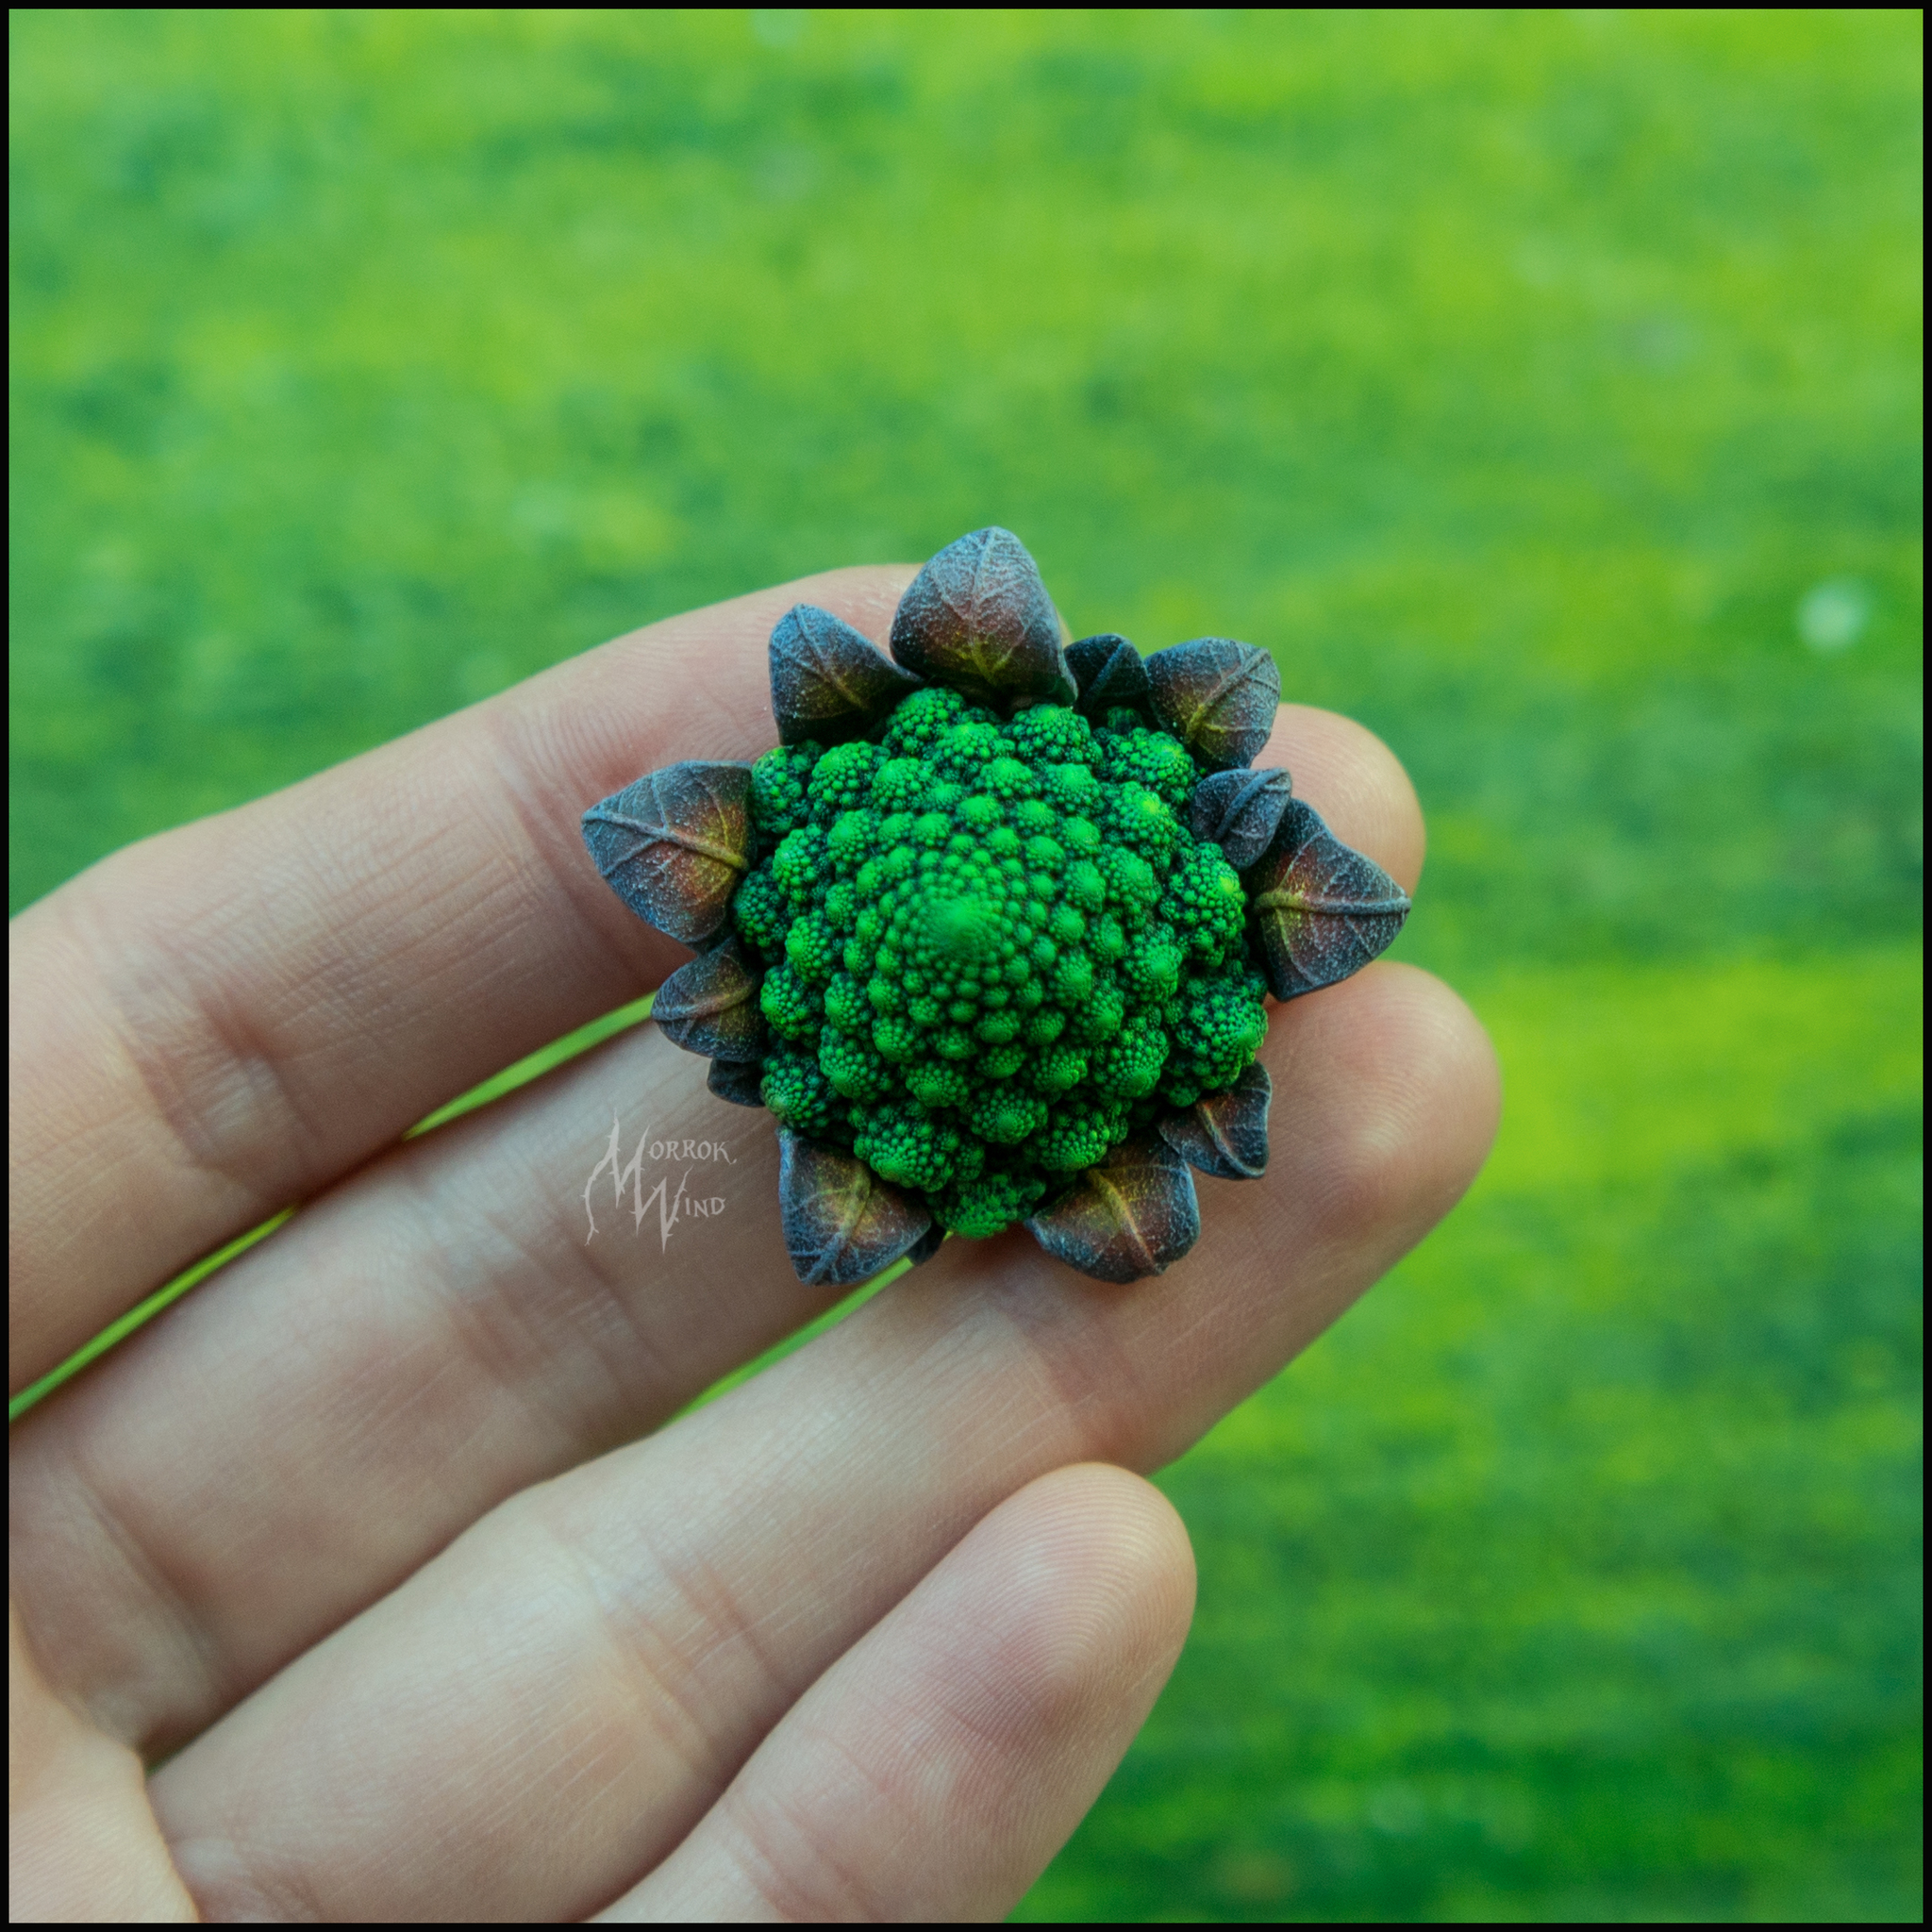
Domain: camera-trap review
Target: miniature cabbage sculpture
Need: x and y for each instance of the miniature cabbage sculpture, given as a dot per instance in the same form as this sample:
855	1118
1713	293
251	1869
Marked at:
991	929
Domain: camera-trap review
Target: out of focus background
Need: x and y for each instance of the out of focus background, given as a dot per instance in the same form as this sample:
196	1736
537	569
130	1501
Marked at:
1541	388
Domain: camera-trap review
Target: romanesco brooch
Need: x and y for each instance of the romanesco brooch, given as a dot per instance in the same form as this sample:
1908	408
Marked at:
991	929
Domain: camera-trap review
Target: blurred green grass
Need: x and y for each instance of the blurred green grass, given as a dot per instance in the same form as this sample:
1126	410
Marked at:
1542	388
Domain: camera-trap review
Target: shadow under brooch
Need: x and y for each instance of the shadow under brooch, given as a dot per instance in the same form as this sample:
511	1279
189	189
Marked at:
991	929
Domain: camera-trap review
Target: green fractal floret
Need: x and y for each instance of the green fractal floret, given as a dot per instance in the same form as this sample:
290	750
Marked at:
992	949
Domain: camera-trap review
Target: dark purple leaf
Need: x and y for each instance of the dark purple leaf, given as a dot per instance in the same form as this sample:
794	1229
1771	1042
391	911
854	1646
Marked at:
1225	1134
673	845
928	1245
977	618
1322	910
1240	811
1217	697
710	1005
738	1081
842	1224
829	681
1134	1214
1109	673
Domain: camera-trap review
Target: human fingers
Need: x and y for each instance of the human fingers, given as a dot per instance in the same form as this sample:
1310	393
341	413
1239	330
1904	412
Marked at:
432	1336
224	1018
81	1842
546	1709
933	1771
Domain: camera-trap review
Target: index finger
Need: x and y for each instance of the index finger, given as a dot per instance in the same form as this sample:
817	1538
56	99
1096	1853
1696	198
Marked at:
225	1018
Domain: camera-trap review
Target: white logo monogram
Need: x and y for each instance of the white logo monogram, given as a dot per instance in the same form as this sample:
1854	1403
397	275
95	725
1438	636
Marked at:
672	1207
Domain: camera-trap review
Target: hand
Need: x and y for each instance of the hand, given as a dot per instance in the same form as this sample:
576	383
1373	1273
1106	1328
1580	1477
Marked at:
368	1544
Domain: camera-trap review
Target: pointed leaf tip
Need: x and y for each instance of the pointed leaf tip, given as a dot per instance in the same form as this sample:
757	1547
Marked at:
1134	1214
1322	910
673	845
1111	674
927	1246
829	682
1240	811
1217	696
842	1224
710	1005
978	618
1226	1134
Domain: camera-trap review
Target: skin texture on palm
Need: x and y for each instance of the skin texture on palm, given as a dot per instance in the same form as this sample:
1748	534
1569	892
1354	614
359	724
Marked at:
367	1531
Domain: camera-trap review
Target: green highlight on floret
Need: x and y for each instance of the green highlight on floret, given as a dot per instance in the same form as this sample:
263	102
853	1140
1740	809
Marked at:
992	949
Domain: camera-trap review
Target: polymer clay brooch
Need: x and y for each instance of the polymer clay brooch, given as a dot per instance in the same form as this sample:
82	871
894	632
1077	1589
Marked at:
991	929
